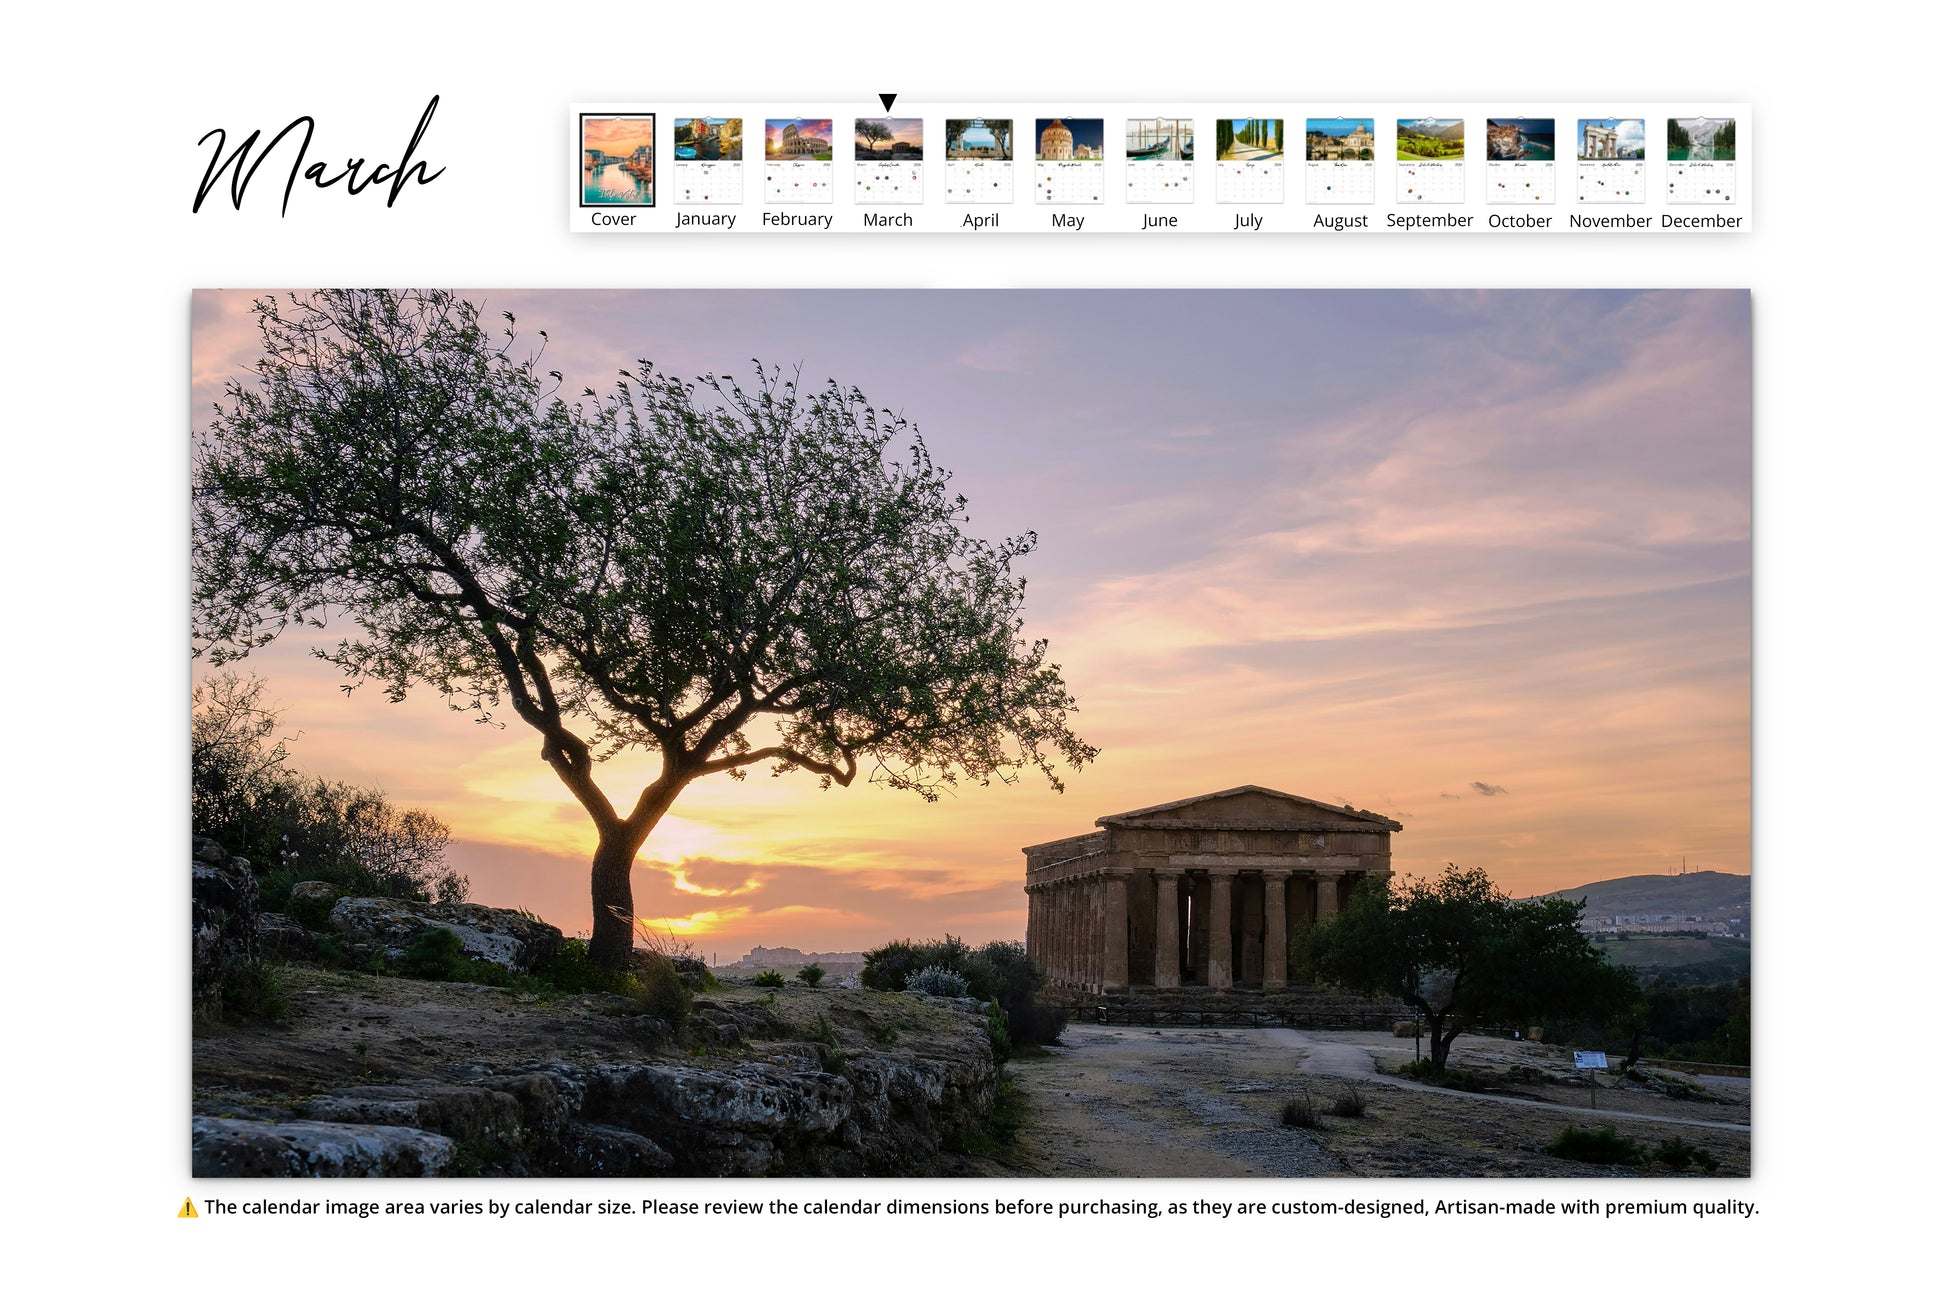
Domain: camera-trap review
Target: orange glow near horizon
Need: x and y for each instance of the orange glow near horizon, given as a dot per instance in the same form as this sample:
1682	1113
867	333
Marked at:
1493	583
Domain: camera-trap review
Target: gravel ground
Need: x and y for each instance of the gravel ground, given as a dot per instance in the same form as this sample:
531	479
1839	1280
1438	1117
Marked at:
1187	1102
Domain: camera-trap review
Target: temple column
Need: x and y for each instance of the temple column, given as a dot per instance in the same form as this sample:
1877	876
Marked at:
1097	936
1067	932
1114	964
1168	932
1277	937
1220	971
1033	917
1327	896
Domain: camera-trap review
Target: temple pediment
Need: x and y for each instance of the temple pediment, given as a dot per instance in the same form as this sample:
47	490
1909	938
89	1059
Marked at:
1249	807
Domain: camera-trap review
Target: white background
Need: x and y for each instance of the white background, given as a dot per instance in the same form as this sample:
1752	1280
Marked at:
104	109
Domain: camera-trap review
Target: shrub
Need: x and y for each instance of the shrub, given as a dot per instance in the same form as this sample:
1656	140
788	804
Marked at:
892	966
571	972
1300	1113
1678	1155
256	988
997	1037
823	1033
999	970
665	994
810	974
1349	1104
1447	1078
298	828
436	955
769	977
934	980
1599	1146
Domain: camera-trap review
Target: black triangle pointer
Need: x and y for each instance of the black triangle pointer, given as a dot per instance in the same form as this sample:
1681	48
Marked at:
887	101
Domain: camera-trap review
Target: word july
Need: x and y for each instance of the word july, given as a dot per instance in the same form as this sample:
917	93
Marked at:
242	168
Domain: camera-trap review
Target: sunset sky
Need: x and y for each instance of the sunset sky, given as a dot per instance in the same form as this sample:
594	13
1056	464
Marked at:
618	135
1477	560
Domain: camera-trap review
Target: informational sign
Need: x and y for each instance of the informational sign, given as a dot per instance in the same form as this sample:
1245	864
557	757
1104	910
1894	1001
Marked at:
1590	1060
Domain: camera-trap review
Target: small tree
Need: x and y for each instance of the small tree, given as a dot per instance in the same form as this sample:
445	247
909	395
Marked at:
811	974
874	134
728	578
1464	953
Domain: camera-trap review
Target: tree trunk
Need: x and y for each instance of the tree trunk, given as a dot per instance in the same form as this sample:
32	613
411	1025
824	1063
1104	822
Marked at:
614	932
1442	1043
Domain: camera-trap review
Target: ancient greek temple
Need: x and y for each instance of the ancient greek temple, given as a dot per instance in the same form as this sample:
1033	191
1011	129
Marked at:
1204	892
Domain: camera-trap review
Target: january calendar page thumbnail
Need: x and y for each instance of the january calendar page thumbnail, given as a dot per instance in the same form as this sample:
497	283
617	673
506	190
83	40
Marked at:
708	161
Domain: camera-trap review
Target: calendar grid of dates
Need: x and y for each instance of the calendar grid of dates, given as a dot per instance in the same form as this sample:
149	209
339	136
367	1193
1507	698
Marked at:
1161	168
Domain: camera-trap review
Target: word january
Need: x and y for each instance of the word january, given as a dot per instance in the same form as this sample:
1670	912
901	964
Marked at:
242	168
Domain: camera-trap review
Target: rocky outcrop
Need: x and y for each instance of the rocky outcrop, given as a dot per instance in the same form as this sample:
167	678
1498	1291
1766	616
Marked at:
222	1146
281	937
802	1108
224	906
386	927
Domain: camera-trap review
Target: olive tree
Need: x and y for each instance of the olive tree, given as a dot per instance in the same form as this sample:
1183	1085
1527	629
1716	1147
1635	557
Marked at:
731	578
1464	954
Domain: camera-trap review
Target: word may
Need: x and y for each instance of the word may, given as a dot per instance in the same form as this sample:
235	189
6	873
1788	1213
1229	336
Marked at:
242	167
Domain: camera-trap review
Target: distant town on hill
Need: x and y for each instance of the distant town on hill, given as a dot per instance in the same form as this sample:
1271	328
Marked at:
781	957
1703	901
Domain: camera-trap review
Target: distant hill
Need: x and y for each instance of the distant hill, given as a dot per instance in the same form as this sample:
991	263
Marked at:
1706	895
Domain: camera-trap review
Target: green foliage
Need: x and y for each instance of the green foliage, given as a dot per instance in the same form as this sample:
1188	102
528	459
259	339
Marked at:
810	974
294	828
998	1039
656	567
822	1032
994	1137
1446	1078
572	972
890	967
769	977
1464	953
1679	1155
436	955
999	970
934	980
1599	1146
665	994
256	988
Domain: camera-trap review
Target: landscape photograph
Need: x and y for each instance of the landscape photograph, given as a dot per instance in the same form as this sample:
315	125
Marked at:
709	139
618	160
1068	139
1603	139
979	139
1702	139
1159	139
797	139
701	733
1432	139
1249	139
1520	139
1339	139
900	139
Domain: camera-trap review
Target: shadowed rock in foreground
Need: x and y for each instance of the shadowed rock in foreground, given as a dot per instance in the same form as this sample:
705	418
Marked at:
387	1076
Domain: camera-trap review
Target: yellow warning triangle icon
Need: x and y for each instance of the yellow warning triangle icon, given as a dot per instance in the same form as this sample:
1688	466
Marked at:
188	1211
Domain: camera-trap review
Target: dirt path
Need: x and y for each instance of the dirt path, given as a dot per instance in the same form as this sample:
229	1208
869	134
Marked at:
1132	1101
